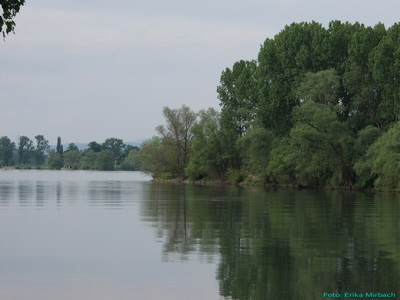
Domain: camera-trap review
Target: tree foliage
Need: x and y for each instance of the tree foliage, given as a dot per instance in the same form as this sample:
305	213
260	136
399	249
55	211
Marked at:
380	167
209	156
7	149
10	9
176	138
42	147
25	150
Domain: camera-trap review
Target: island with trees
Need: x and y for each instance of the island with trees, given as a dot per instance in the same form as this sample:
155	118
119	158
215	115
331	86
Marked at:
319	107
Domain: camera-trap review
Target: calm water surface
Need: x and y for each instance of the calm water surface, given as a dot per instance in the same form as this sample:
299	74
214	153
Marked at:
117	235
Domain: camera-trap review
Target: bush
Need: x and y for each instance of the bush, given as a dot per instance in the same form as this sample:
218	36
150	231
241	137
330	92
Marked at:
235	176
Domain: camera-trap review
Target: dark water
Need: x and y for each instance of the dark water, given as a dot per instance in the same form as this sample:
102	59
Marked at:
116	235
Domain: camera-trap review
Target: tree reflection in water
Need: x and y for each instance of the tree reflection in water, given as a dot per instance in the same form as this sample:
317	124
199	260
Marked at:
280	244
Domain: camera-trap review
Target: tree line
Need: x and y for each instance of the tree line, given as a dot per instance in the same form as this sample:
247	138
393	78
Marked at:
318	107
113	154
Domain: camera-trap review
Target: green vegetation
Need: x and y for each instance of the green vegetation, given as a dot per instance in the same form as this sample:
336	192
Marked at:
318	108
10	9
113	154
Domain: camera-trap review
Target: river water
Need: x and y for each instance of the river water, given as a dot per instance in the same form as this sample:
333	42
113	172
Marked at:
117	235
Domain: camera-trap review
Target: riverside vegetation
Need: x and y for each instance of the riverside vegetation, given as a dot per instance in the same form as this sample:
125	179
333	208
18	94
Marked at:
319	107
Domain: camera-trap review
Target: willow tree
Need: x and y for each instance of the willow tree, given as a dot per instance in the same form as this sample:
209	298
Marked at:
170	154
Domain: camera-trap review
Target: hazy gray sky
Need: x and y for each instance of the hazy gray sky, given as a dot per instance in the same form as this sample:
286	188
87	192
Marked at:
88	70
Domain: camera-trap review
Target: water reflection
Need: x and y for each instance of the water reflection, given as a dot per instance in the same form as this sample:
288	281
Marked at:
281	244
265	243
39	193
6	193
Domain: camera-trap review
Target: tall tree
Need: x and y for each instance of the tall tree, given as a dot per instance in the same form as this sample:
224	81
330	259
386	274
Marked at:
321	146
238	97
7	149
364	95
25	150
115	146
177	136
321	87
42	147
59	147
282	62
385	64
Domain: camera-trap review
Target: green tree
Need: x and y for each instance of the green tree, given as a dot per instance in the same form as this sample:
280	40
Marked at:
381	165
94	146
177	136
282	62
255	148
385	65
88	160
133	161
364	95
42	147
25	150
209	153
105	161
10	10
158	159
115	146
7	149
72	147
55	160
321	87
322	147
281	168
59	147
363	163
71	159
237	93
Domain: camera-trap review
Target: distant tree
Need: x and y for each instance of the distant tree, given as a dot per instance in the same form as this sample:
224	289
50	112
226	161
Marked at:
55	160
94	146
25	150
7	149
88	160
71	158
72	147
115	146
126	151
42	147
133	161
10	10
59	148
105	161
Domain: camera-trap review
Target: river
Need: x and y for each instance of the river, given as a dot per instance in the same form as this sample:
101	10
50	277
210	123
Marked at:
117	235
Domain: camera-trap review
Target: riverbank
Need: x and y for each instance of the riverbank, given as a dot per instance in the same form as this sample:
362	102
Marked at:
288	186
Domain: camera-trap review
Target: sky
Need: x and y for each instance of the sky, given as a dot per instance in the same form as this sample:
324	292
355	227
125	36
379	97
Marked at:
89	70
